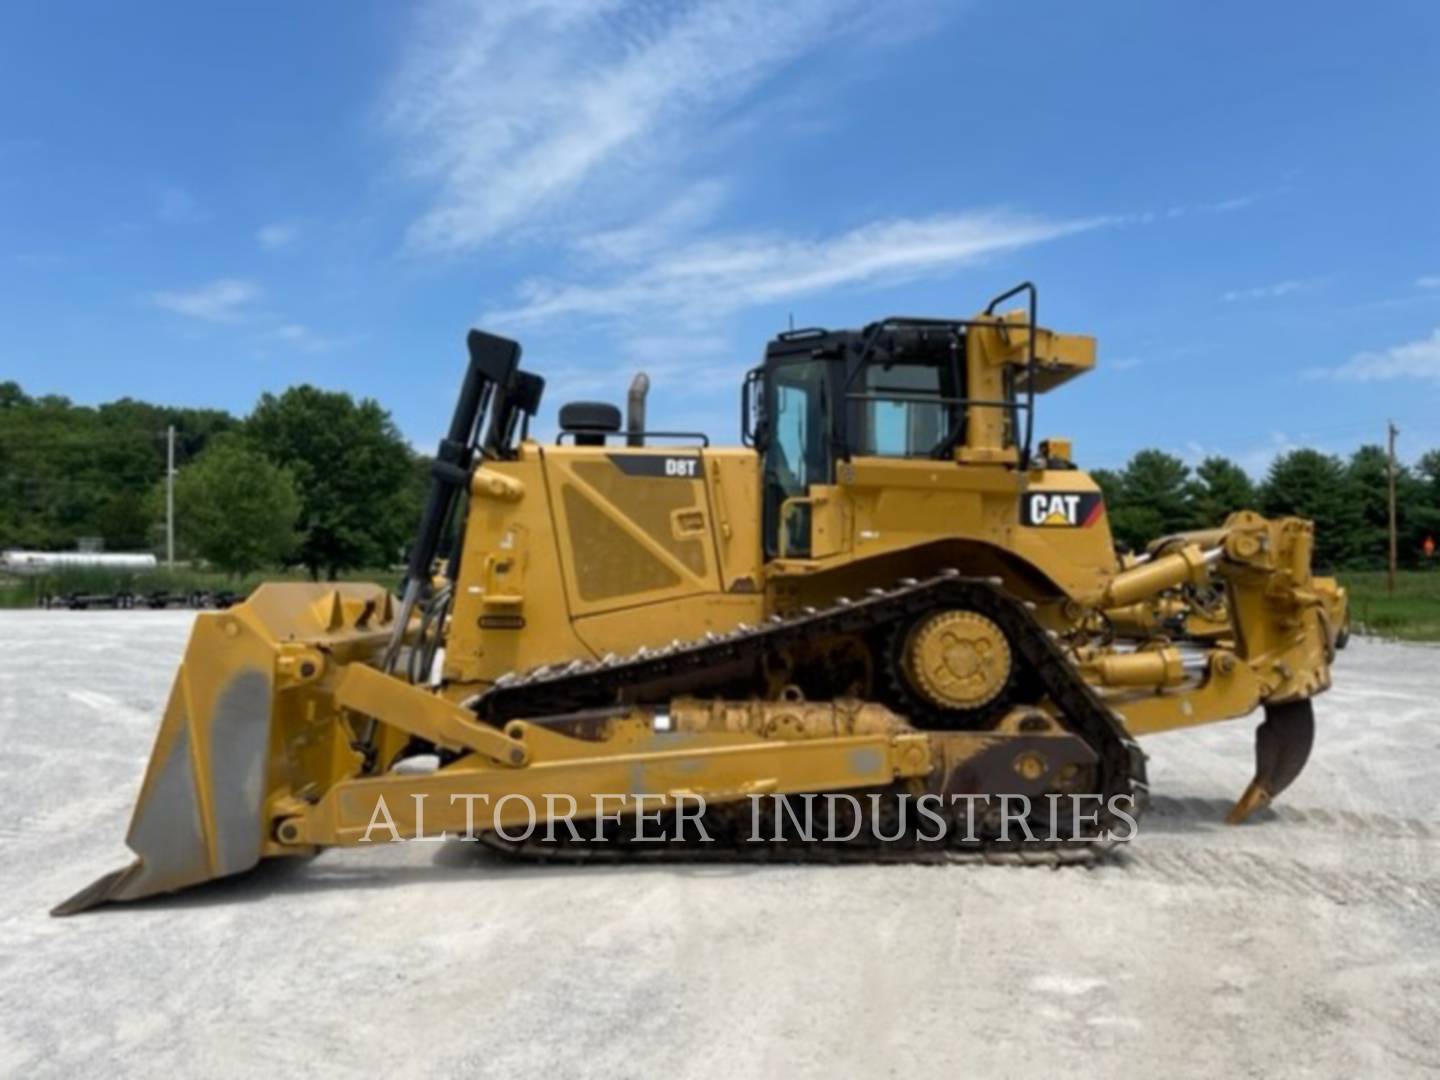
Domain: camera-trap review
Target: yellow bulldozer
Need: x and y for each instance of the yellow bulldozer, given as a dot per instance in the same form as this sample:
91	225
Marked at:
630	644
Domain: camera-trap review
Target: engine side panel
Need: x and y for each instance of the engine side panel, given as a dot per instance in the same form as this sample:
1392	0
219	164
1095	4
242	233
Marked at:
510	610
572	552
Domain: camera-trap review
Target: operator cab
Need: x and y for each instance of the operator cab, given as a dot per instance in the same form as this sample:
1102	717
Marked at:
894	389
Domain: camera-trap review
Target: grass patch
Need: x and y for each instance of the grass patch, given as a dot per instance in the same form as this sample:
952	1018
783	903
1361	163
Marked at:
24	592
1411	613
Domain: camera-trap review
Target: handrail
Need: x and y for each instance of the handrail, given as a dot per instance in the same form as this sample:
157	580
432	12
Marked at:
641	435
1032	328
932	399
1016	407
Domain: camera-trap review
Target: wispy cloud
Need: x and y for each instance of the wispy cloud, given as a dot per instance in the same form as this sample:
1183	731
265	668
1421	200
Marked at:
1225	206
304	339
717	276
1263	292
225	300
1411	360
1254	457
511	110
690	209
1256	460
690	364
689	374
1428	281
1221	206
277	235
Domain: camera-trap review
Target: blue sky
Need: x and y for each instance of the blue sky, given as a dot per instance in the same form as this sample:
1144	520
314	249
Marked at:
201	202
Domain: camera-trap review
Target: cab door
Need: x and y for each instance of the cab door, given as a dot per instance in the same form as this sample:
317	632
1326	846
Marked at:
797	452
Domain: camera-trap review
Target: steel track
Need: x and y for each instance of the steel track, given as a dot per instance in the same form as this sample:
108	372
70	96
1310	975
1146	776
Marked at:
707	665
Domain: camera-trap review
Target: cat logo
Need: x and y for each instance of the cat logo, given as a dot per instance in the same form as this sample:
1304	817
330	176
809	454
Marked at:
1061	509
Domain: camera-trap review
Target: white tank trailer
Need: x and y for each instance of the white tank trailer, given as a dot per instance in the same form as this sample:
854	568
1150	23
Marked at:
39	562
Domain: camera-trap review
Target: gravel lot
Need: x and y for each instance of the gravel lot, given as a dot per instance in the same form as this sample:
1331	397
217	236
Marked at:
1307	943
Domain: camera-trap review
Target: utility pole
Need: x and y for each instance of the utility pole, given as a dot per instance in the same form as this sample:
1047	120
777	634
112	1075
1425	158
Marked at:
1392	431
170	496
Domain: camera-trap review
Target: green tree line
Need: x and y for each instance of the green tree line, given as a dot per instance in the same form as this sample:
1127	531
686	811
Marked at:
1157	493
314	478
310	478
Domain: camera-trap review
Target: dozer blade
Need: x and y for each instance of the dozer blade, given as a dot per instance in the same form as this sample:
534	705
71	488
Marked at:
224	744
1282	747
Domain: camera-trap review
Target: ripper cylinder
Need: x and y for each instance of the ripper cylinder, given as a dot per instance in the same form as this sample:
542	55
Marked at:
1189	565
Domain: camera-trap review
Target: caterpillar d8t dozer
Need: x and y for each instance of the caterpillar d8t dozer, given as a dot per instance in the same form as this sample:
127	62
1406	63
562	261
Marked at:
888	593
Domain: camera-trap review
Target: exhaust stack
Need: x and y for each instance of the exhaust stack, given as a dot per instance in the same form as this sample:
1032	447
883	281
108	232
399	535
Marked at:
635	409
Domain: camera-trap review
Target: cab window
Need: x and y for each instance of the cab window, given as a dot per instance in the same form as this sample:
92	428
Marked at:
904	413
